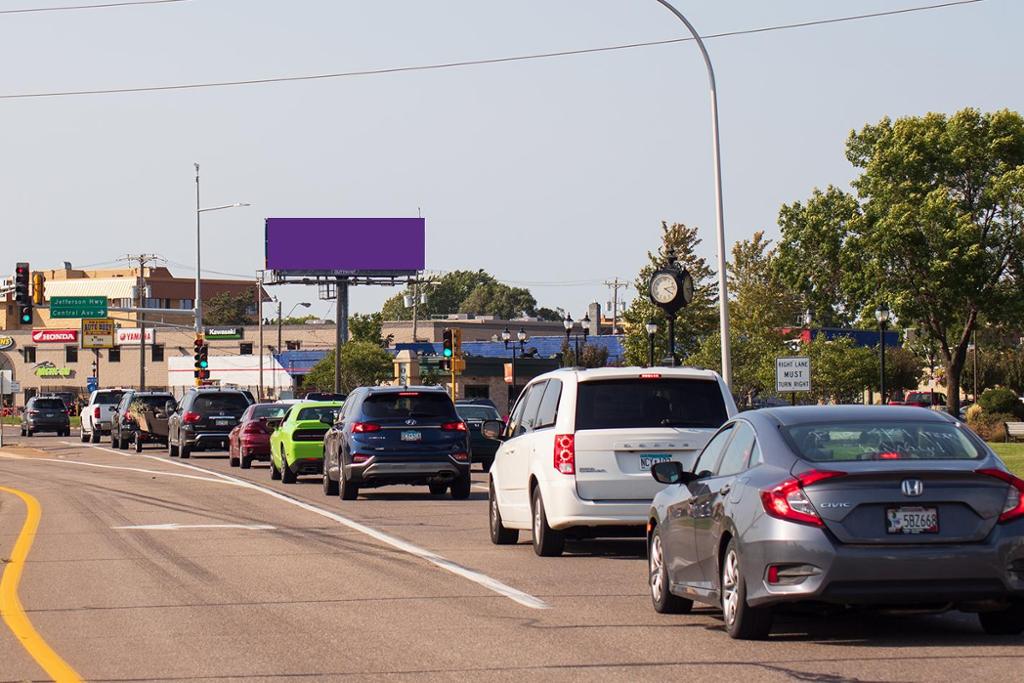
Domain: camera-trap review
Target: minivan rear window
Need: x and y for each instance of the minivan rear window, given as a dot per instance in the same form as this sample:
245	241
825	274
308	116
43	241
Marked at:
408	404
226	403
643	403
881	440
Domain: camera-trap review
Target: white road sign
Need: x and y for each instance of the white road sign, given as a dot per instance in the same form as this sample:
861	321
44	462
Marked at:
792	373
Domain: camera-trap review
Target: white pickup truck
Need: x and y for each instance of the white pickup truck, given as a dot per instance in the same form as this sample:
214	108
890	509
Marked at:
96	415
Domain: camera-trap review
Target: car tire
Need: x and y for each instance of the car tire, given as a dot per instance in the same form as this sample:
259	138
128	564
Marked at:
23	432
94	436
346	489
486	464
438	489
184	452
288	475
233	462
246	463
330	486
1007	622
500	535
138	444
172	450
28	433
742	621
122	444
275	474
664	601
546	541
461	487
82	434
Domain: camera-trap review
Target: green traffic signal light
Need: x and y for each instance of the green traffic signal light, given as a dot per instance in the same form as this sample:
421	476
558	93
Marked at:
447	353
204	364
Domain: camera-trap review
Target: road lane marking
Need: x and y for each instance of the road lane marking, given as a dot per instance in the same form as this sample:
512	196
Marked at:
10	606
476	577
174	526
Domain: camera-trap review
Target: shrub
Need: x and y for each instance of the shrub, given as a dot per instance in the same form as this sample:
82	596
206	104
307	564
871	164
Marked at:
989	426
1001	400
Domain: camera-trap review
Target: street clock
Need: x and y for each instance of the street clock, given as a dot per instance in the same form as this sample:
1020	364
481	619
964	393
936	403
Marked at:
671	289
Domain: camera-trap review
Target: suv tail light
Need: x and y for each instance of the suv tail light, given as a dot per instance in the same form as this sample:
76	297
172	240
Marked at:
363	427
565	453
1014	505
788	500
96	412
454	426
189	417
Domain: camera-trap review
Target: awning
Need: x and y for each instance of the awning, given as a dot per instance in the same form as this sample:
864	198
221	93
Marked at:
112	288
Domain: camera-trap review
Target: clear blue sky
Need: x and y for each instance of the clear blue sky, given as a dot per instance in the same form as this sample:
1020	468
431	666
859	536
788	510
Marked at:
540	172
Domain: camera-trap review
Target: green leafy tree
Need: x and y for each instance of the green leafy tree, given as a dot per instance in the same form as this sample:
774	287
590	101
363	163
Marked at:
840	371
367	328
761	301
694	322
494	298
591	356
445	295
229	309
753	361
363	363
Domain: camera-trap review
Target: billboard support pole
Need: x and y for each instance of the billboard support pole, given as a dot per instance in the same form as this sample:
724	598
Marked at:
340	328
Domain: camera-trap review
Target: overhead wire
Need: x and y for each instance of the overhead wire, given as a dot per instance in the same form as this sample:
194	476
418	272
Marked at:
104	5
477	62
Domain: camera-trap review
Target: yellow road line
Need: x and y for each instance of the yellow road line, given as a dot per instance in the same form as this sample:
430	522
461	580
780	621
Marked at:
10	606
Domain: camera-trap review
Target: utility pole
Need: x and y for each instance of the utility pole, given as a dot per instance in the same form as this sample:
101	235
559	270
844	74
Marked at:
259	315
143	260
614	285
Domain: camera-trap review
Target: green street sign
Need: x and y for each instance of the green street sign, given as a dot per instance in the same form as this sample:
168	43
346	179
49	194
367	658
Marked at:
78	307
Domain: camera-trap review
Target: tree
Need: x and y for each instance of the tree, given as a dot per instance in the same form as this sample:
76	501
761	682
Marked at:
367	328
363	363
229	309
445	295
494	298
591	356
694	322
840	371
753	361
761	301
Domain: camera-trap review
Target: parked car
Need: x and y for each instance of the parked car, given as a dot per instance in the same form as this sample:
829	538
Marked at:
297	444
576	454
203	420
900	508
124	420
96	414
475	414
45	414
475	402
922	399
250	439
397	435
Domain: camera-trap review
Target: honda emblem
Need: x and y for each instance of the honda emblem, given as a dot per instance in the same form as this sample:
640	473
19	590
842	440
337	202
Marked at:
912	487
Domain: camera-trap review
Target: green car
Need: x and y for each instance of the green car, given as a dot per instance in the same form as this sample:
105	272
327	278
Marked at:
297	445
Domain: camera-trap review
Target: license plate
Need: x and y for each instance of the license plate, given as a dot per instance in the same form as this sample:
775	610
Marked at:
648	461
411	436
221	423
912	520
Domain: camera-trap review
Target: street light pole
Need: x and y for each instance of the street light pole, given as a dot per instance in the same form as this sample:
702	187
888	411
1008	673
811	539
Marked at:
198	307
723	290
652	329
882	315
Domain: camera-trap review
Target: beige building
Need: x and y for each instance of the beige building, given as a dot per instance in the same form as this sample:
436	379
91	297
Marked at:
474	328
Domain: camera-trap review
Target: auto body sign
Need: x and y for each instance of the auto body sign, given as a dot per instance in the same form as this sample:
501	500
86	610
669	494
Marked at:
55	336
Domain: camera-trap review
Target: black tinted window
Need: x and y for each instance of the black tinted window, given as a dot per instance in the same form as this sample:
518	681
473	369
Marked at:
108	398
153	403
317	413
548	411
48	404
268	410
515	421
633	403
217	403
406	404
477	413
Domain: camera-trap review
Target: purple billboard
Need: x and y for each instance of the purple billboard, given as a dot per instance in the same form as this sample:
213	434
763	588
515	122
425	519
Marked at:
347	245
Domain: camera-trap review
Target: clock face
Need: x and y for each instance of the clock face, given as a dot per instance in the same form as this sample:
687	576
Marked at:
687	288
664	288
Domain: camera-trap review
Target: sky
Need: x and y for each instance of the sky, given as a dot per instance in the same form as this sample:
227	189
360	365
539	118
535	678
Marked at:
553	174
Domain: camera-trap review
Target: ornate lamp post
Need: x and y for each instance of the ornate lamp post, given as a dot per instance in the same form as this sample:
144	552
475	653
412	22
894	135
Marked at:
506	337
882	315
652	329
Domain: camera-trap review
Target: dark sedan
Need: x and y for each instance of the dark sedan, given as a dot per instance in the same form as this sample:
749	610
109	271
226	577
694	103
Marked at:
874	507
483	449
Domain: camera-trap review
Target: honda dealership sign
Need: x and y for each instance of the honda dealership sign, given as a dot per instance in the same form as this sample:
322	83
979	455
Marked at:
55	336
130	336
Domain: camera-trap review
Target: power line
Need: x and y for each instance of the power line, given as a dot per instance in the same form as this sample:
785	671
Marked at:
105	5
474	62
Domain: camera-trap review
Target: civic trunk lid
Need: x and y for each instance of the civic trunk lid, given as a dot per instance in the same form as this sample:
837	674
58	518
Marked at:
908	504
615	464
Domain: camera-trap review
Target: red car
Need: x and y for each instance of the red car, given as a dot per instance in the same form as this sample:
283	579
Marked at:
922	399
250	440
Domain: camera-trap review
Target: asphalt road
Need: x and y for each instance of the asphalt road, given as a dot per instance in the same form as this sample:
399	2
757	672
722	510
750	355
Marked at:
273	581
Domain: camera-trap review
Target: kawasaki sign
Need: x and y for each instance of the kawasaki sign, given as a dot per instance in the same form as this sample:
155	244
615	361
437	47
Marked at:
224	332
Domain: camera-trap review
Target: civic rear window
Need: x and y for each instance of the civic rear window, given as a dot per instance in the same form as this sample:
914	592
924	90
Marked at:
229	403
643	403
840	441
108	398
408	404
49	404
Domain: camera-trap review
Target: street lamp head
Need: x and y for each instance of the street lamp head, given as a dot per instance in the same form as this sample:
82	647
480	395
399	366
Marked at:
652	328
305	304
506	335
807	318
567	323
882	313
521	335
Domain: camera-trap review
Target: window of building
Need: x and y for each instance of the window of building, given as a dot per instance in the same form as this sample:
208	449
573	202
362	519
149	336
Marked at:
158	352
153	303
245	349
187	304
114	355
70	354
293	344
30	354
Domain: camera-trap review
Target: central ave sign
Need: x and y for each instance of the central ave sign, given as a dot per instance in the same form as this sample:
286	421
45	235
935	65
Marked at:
78	307
792	373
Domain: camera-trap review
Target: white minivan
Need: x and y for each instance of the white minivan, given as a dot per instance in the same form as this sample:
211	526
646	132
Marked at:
576	454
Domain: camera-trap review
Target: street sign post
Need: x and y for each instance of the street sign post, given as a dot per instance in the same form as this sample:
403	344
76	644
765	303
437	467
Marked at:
98	333
78	307
792	374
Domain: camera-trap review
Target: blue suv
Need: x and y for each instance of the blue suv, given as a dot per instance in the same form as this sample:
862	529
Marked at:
397	435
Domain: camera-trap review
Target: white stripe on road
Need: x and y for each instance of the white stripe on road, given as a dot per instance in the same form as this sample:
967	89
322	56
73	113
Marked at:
64	461
476	577
174	527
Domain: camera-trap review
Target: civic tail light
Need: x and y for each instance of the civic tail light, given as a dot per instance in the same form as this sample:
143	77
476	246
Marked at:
189	417
363	427
565	453
788	500
454	426
1013	508
96	412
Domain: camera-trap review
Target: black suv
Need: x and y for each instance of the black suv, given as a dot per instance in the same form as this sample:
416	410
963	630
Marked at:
45	414
397	435
124	422
203	420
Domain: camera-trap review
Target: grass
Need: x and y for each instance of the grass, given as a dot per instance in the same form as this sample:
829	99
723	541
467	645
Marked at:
1012	454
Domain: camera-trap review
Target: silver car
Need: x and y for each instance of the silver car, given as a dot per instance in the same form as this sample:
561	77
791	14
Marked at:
874	507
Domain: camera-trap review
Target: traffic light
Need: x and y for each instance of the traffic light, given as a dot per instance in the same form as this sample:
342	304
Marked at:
456	342
38	289
447	348
22	293
202	359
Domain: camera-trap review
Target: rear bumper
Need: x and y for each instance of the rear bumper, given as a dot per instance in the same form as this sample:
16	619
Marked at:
203	440
257	449
887	575
304	450
47	424
380	471
565	509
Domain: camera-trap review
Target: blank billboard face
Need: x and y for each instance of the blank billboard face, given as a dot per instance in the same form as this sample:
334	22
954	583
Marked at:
372	245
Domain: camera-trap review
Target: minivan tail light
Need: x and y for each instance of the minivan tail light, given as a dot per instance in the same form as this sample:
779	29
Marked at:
788	500
363	427
565	453
96	412
1013	508
189	417
454	426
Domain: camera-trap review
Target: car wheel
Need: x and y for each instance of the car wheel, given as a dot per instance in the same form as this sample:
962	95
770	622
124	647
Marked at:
461	487
138	443
665	602
23	432
287	473
546	541
172	450
184	452
275	473
122	443
1007	622
742	621
346	489
486	464
438	489
499	534
94	436
246	463
81	434
330	486
233	462
28	433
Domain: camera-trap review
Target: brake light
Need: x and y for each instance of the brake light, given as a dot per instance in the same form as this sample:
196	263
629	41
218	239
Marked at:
1013	508
454	426
363	427
255	427
360	457
461	457
773	574
408	393
189	417
650	375
788	500
565	453
889	455
96	412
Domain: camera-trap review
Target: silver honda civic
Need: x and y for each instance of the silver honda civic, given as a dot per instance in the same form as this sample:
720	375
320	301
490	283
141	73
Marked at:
859	506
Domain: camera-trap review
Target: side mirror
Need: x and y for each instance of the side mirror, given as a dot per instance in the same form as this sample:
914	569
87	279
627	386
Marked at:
671	472
492	429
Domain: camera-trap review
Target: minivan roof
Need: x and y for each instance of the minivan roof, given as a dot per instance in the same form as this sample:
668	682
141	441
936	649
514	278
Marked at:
596	374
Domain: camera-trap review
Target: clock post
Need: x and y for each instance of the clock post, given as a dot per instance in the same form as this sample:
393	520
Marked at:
671	289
